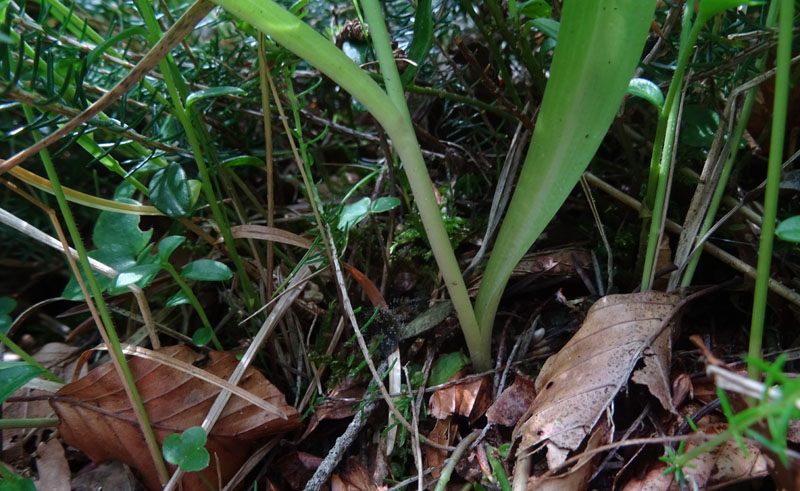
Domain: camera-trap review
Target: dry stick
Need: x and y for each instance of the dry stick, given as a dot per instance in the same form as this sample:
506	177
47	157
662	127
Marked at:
162	48
283	304
263	68
415	443
351	316
735	263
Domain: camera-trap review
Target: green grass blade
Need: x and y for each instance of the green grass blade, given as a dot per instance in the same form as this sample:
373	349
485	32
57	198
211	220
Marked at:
598	48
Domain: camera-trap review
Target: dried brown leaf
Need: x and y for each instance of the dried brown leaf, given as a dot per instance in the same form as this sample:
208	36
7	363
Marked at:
340	403
353	477
513	402
298	467
443	433
96	417
578	383
108	475
53	468
470	398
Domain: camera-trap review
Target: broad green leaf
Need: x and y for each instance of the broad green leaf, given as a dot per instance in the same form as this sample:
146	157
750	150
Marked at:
789	229
168	245
16	483
384	204
118	235
212	92
699	125
15	374
535	9
179	298
353	213
599	46
187	450
446	367
207	270
195	187
169	191
647	90
202	336
423	39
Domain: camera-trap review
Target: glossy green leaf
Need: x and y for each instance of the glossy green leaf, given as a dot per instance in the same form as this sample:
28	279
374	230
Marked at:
168	245
423	39
16	483
179	298
15	374
789	229
549	27
446	367
207	270
353	214
202	336
139	273
169	191
187	450
647	90
384	204
212	92
535	9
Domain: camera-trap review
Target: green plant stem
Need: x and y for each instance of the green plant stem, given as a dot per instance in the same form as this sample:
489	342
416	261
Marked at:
443	94
291	32
462	447
15	348
110	334
736	137
177	89
779	109
409	151
187	290
664	143
12	423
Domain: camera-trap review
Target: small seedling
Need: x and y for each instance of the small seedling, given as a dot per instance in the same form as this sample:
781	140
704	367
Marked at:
187	450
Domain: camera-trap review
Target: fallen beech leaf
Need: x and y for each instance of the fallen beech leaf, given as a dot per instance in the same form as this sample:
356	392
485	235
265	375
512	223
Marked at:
512	403
95	415
53	468
443	433
470	398
577	384
298	467
262	232
353	477
723	465
108	475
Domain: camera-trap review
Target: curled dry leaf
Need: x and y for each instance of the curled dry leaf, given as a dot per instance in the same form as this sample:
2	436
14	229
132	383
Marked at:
470	398
353	477
96	417
298	467
443	433
578	383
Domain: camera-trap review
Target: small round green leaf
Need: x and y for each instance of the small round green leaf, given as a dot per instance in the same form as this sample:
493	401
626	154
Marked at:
168	245
141	273
789	229
207	270
384	204
187	450
118	236
7	305
202	336
647	90
699	125
170	192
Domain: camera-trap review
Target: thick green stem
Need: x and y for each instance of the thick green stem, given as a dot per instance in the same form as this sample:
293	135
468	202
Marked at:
299	38
779	109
